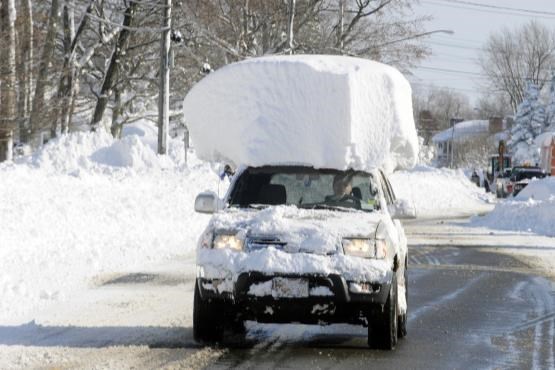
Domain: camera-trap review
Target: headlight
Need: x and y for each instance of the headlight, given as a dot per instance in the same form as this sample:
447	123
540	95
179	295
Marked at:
366	248
227	241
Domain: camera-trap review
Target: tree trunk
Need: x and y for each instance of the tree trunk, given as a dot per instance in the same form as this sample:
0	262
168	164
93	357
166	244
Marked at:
7	79
66	85
26	68
8	66
164	94
35	124
116	115
113	68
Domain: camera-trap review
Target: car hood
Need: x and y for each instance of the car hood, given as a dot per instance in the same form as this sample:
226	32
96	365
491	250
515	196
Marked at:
298	230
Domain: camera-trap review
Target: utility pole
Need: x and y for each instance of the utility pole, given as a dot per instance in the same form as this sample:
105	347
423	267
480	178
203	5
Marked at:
290	30
164	94
341	27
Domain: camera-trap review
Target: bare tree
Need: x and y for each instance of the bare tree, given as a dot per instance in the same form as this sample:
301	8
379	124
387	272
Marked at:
111	74
511	57
443	103
43	78
493	105
25	66
7	78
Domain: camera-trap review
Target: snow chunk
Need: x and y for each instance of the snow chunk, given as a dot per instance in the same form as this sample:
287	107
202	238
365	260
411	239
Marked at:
324	111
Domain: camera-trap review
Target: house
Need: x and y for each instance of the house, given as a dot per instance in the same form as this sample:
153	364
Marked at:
546	142
468	141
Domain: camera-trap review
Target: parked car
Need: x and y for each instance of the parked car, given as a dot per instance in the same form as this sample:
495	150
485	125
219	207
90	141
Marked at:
284	247
521	176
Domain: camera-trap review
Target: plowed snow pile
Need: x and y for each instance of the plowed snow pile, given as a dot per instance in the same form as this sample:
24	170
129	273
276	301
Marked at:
440	192
323	111
86	205
532	210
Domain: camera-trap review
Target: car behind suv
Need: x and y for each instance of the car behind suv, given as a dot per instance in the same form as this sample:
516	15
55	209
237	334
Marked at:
521	176
285	246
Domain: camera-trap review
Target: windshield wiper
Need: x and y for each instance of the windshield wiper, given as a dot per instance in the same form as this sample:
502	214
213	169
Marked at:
327	206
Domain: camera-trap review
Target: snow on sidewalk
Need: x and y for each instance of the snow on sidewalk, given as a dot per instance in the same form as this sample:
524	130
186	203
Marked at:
531	211
440	192
69	214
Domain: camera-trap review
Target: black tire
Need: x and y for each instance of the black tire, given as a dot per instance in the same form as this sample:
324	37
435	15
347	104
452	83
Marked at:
208	323
402	319
382	330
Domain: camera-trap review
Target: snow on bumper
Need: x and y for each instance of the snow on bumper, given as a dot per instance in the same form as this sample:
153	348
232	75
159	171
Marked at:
225	271
225	263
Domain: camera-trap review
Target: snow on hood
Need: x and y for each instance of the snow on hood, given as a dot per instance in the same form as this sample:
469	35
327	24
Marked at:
319	110
314	234
304	230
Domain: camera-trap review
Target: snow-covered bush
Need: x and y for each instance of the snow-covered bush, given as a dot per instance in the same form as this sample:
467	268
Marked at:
529	122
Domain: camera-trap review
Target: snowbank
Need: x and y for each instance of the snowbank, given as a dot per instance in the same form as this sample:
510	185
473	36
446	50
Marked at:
88	205
99	152
325	111
533	210
440	192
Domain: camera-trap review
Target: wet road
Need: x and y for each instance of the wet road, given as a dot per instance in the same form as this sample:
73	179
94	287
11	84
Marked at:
468	309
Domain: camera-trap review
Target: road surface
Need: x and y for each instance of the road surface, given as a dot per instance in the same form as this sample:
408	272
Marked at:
469	308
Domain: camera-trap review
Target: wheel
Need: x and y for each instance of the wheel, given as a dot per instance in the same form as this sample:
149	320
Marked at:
402	319
208	322
382	330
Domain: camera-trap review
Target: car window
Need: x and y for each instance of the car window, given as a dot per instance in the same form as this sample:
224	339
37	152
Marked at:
305	188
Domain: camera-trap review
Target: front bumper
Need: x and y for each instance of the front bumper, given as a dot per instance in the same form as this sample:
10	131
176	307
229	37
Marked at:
345	301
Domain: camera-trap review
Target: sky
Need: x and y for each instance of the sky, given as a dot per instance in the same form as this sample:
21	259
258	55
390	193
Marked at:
453	62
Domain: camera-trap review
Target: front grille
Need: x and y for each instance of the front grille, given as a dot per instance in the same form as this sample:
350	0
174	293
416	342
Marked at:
256	243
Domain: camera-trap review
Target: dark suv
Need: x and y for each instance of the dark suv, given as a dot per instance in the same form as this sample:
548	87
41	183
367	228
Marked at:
521	176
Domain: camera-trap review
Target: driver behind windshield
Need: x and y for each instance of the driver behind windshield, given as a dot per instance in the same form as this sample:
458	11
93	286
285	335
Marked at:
343	190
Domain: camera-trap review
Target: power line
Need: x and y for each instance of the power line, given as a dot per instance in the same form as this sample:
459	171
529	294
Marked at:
475	74
454	46
537	12
490	11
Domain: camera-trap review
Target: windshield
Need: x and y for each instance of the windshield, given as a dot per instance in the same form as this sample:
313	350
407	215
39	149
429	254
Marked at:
305	188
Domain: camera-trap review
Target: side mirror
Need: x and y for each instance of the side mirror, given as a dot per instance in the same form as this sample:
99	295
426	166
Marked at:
402	209
207	202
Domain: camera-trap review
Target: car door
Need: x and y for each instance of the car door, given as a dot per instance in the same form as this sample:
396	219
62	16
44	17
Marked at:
400	238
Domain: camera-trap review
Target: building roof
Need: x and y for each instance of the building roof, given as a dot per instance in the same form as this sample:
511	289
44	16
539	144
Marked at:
463	130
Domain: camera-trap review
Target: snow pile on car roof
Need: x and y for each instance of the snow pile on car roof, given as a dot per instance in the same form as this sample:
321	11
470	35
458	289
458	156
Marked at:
324	111
531	211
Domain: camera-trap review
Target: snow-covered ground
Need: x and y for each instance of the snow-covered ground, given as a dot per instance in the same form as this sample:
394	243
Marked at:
87	204
88	217
440	192
531	211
